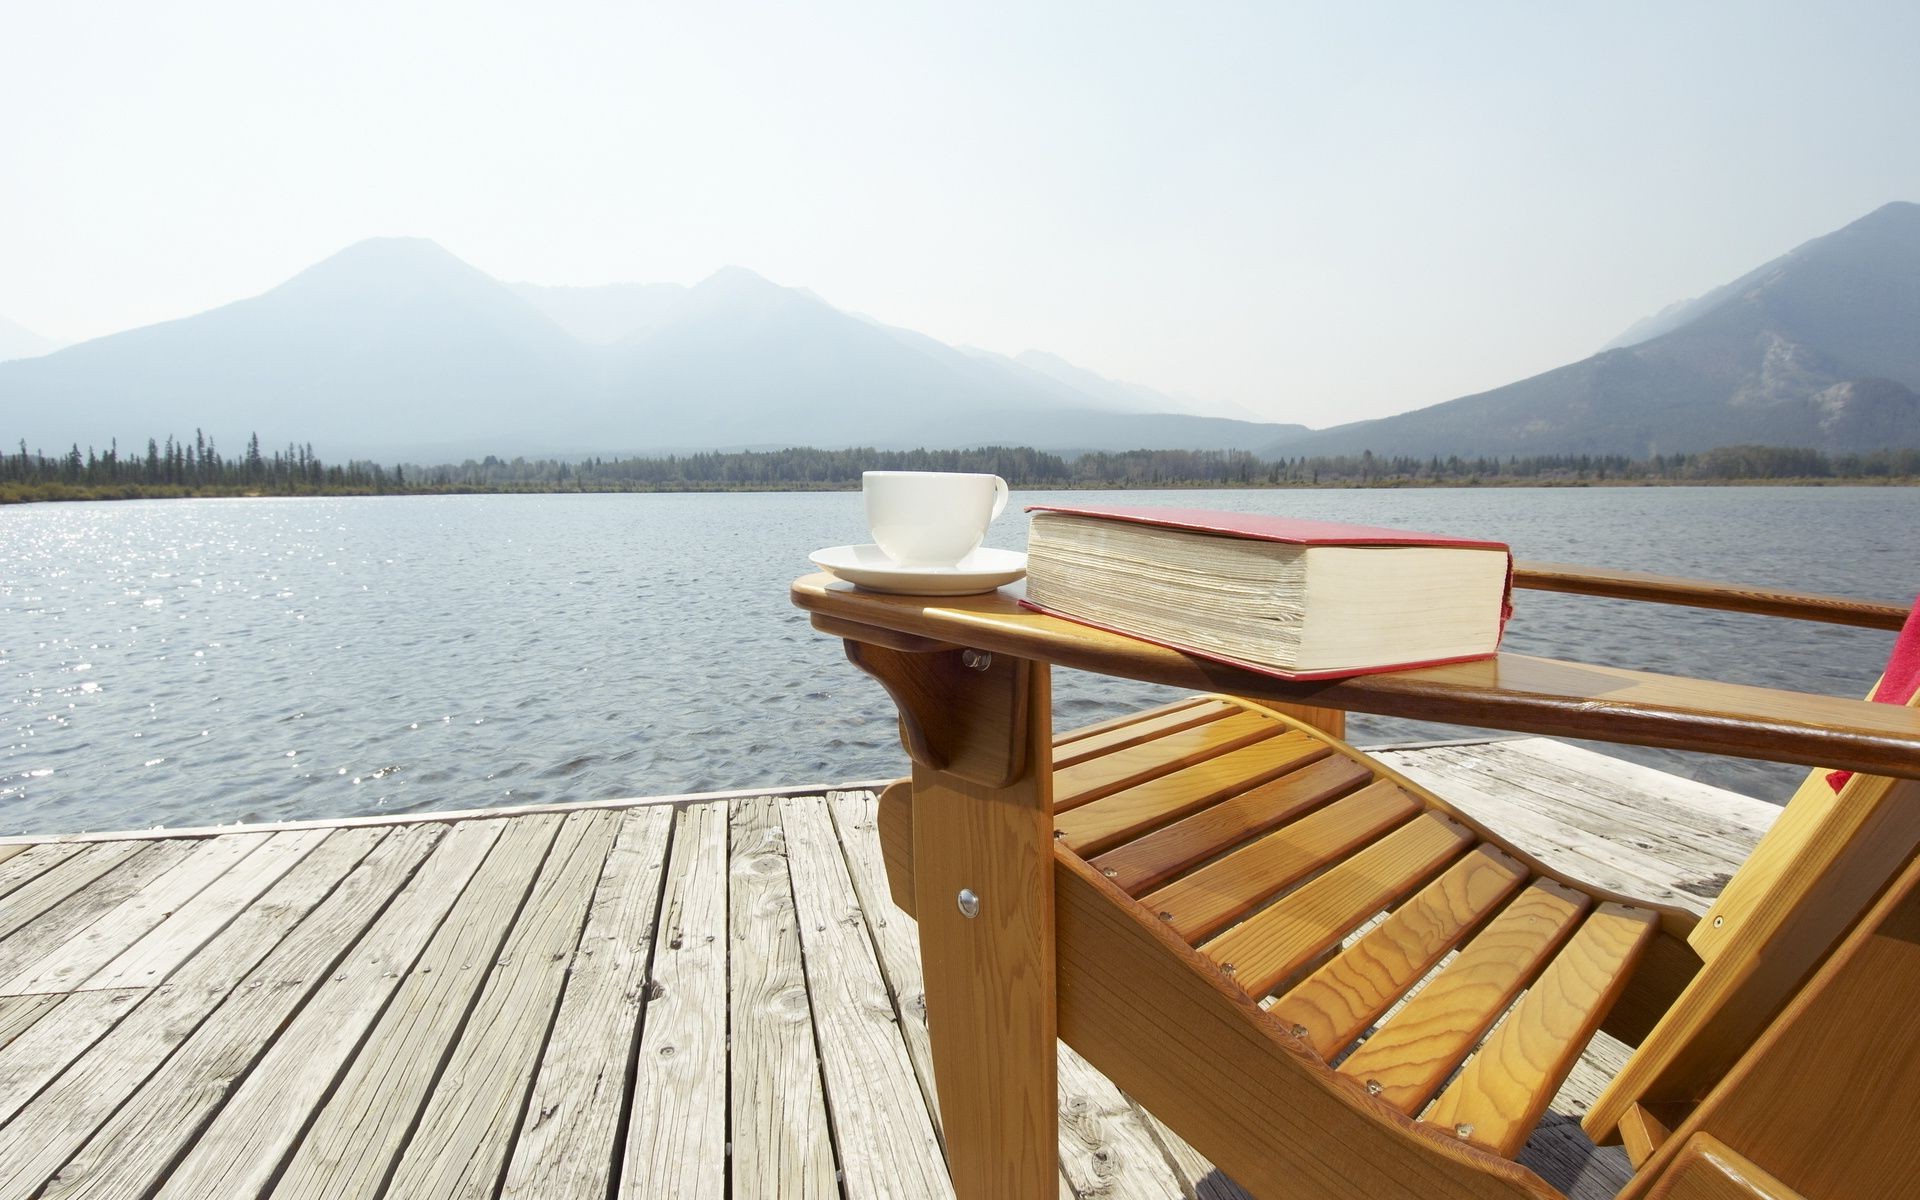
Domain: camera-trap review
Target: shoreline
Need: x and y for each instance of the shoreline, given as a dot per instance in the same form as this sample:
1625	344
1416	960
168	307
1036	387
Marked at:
49	493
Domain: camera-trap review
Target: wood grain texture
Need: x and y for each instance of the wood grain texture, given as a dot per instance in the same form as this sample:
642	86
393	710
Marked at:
886	1141
44	1131
183	931
350	1147
31	863
1149	861
1824	1100
677	1130
1080	745
1284	938
183	873
1817	825
1700	593
45	890
1209	899
133	1151
1498	1098
1147	1011
39	1052
467	1130
1101	825
1604	821
73	918
17	1015
7	852
990	979
1335	1004
1509	691
1839	865
1708	1169
781	1142
1107	1146
1412	1054
579	1093
1063	738
984	743
1093	778
240	1150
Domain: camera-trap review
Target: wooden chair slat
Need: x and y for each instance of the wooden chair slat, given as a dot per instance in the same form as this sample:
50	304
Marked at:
1149	861
1278	941
1070	749
1109	773
1220	892
1408	1058
1335	1004
1105	823
1499	1097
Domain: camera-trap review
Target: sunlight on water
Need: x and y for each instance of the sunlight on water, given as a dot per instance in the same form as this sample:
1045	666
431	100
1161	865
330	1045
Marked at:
193	662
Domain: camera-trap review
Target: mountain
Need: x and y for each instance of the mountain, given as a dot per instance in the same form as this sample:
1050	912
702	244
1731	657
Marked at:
17	341
606	314
1125	397
397	349
1817	348
392	342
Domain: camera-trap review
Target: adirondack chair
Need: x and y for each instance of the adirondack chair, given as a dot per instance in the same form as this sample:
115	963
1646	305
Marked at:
1242	903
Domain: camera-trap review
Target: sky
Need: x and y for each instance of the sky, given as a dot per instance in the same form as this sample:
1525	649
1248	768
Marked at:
1320	213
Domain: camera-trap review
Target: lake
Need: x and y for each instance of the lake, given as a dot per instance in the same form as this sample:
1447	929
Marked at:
186	662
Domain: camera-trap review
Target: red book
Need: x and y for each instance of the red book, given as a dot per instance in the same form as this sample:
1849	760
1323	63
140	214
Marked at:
1294	598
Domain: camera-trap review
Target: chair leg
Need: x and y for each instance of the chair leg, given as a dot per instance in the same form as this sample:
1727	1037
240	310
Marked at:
984	896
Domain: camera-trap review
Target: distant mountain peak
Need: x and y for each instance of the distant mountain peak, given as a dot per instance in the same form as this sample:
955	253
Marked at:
394	346
17	341
1813	348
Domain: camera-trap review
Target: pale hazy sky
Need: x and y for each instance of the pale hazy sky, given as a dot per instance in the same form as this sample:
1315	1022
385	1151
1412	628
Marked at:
1320	212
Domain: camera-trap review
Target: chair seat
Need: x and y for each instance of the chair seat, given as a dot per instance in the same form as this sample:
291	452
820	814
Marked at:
1385	933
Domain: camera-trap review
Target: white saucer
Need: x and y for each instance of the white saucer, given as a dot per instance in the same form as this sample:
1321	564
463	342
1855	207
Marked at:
869	567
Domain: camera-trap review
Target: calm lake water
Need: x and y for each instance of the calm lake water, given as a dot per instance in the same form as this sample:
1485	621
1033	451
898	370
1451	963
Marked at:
190	662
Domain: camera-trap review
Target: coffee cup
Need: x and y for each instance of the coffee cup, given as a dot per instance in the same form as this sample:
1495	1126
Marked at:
931	518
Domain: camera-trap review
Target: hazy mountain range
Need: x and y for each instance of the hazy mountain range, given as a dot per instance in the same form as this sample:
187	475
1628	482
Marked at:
393	347
19	342
1818	348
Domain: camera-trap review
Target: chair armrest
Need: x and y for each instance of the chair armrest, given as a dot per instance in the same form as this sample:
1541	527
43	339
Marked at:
1698	593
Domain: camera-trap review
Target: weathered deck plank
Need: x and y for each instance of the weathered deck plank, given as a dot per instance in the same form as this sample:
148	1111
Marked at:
567	1133
1610	822
67	923
886	1140
1106	1147
677	1131
360	1012
32	862
18	1013
188	870
48	1122
781	1143
186	929
349	1150
473	1113
41	892
242	1148
135	1149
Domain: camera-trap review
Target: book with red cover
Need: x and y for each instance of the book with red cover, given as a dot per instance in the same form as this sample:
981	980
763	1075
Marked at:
1195	527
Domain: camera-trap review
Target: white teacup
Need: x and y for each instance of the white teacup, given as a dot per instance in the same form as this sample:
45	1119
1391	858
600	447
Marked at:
931	518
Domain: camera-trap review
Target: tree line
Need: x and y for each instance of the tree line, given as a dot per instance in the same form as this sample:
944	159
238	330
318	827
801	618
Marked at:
178	467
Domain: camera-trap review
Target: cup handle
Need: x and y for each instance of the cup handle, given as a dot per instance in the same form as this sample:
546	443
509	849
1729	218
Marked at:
999	497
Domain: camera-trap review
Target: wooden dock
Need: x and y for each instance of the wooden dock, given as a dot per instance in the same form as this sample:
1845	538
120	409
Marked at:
689	997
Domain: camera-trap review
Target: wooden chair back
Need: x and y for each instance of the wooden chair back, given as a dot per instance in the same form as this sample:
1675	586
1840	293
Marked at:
1820	868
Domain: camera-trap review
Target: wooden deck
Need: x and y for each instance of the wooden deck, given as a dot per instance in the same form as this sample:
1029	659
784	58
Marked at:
699	998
